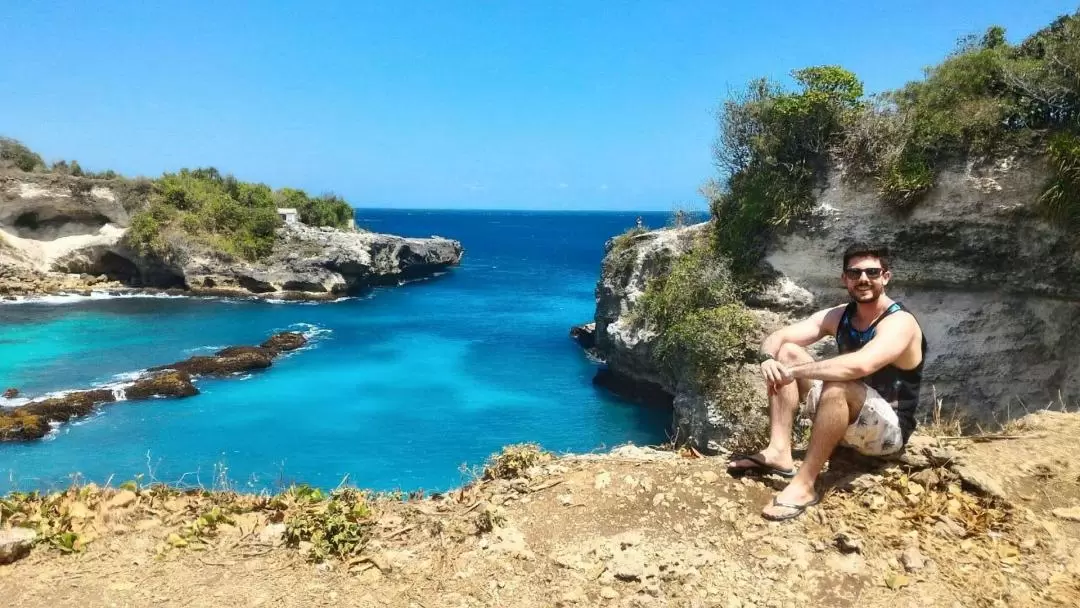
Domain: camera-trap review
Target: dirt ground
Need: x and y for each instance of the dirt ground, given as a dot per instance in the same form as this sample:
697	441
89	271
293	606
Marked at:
636	527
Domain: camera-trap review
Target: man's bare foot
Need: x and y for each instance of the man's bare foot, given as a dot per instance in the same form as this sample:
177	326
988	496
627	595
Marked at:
791	502
767	460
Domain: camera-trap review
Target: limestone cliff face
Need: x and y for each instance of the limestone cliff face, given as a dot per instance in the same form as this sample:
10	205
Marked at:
316	263
55	229
627	343
50	207
996	289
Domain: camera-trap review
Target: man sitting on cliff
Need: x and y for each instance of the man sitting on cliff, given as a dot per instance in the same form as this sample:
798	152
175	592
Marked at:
865	398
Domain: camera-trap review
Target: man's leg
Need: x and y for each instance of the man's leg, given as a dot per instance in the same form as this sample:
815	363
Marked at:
783	403
839	407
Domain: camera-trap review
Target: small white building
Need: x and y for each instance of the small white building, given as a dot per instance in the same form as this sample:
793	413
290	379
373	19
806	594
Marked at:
287	215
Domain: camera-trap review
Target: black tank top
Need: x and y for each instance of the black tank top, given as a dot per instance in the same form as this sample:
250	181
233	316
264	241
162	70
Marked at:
898	386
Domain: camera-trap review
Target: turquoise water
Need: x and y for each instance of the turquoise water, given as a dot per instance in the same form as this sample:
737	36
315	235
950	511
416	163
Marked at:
399	388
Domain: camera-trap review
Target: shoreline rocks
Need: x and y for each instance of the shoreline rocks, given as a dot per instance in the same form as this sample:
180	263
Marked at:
584	335
35	419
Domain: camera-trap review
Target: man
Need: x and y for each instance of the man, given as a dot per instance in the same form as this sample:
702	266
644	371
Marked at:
865	398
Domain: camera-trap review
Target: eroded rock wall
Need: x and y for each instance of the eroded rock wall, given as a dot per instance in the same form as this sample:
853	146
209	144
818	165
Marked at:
310	262
48	207
996	289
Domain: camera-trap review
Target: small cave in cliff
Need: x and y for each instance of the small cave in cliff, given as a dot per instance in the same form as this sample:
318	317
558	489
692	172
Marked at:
117	268
632	389
32	225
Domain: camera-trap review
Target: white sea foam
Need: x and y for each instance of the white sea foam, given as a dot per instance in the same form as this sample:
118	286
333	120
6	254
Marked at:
74	298
311	331
127	377
203	349
420	279
14	402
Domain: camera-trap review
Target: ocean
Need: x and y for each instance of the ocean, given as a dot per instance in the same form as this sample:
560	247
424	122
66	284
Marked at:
401	388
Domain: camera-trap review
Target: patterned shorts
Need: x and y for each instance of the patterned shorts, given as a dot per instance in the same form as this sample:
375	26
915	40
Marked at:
876	432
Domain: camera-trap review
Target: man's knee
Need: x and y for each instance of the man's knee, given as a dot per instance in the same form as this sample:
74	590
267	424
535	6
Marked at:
850	393
793	354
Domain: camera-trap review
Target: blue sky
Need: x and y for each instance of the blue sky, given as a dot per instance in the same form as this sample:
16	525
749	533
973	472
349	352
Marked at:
494	104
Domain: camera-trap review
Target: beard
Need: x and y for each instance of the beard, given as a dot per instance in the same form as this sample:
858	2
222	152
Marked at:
865	293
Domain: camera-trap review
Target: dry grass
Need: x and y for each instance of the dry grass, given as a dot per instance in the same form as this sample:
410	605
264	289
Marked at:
943	425
514	461
954	424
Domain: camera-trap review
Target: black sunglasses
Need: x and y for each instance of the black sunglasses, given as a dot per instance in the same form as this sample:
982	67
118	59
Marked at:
855	273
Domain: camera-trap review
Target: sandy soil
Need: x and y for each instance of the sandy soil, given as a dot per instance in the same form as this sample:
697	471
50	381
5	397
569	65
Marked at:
633	528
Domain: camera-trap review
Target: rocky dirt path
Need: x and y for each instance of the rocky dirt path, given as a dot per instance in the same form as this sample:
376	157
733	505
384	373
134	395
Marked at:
632	528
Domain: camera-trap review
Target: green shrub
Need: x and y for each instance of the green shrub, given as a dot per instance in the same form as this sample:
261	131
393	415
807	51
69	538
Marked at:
696	280
14	153
339	527
1061	200
619	259
325	210
514	460
986	98
701	323
237	218
772	143
708	341
905	179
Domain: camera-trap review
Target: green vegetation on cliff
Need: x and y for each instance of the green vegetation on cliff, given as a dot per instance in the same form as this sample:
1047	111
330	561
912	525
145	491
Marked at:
773	143
14	154
222	212
225	213
219	211
988	98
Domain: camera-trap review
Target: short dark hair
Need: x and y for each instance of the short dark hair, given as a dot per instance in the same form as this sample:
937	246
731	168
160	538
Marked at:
859	249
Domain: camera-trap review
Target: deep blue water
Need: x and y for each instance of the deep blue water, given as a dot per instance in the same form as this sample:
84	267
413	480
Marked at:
398	390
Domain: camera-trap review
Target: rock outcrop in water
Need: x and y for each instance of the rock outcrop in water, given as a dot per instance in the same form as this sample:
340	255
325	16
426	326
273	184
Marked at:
996	289
65	234
34	419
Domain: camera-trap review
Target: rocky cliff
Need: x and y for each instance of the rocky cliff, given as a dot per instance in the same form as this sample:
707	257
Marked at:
61	233
996	289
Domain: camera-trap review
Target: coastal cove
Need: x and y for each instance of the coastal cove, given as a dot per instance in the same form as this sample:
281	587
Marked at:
398	388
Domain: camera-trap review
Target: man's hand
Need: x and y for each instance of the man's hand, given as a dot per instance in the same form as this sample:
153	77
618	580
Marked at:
775	374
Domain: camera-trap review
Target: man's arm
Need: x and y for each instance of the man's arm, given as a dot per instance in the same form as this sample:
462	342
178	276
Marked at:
803	333
894	334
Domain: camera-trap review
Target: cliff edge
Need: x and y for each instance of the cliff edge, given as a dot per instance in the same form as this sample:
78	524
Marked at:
635	528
